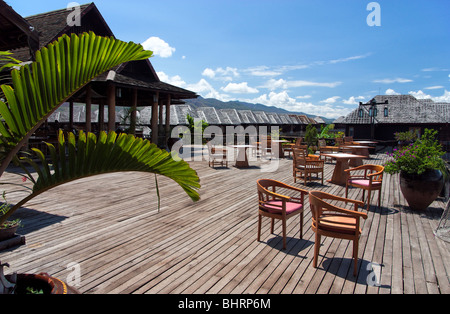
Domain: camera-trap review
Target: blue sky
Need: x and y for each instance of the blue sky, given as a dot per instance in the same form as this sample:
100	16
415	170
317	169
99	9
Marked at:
317	56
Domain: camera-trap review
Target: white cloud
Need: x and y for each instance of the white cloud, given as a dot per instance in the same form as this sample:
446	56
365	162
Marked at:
330	100
206	90
273	84
353	100
304	97
284	101
227	74
349	59
391	92
435	69
262	71
240	88
421	95
159	47
174	80
390	81
209	73
434	87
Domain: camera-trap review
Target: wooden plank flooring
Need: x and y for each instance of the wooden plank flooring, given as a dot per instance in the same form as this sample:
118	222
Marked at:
110	227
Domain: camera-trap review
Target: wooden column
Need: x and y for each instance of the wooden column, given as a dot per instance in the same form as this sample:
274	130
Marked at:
70	116
134	100
167	129
88	108
155	107
111	102
101	116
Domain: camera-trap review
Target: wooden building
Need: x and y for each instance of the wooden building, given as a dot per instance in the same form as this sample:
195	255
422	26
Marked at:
16	32
134	84
397	113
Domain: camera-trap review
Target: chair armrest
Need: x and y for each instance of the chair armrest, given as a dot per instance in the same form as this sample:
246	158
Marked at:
288	187
355	169
354	213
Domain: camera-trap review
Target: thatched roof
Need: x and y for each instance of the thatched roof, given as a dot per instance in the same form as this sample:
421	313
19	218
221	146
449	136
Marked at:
178	116
15	31
400	109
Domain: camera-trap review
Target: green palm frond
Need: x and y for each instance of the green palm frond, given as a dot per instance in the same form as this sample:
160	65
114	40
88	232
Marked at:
60	70
90	156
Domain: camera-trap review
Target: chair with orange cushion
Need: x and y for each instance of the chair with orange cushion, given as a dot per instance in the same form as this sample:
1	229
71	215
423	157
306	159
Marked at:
366	177
274	205
304	165
217	156
334	221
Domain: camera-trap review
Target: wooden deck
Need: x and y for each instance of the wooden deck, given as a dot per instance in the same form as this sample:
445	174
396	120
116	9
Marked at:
110	228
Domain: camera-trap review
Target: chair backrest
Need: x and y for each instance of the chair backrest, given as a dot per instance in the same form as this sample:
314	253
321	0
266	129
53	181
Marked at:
348	139
322	143
299	141
299	155
319	206
376	172
339	141
265	186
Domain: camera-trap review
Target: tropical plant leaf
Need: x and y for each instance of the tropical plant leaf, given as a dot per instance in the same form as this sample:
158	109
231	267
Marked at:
90	156
60	70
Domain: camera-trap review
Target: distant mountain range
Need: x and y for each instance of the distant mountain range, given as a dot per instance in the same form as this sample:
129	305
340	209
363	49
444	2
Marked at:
238	105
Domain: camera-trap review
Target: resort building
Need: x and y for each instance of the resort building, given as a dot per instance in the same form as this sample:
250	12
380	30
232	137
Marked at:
130	85
385	115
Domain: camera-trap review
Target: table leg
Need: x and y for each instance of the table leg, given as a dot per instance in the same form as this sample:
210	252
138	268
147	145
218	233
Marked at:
242	159
339	175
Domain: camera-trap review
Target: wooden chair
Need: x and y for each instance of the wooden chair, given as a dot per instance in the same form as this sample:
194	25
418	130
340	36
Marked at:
348	140
366	177
278	206
287	147
298	141
341	146
217	156
333	221
304	165
324	149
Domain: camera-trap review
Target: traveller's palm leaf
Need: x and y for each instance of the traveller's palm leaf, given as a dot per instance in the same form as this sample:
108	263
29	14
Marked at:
60	70
72	160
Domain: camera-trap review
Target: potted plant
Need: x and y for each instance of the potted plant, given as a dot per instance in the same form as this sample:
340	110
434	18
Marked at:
421	170
8	228
32	284
311	138
405	138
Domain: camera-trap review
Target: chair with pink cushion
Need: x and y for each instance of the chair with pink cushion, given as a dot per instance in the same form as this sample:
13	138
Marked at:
274	205
366	177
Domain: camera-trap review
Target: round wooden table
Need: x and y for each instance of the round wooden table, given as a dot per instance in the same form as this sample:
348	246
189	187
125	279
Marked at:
359	150
342	163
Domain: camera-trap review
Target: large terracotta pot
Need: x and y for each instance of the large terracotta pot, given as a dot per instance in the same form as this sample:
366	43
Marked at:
42	282
421	190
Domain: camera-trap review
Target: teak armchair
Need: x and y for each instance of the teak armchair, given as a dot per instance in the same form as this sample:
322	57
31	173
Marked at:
279	206
368	177
324	149
304	166
217	156
333	221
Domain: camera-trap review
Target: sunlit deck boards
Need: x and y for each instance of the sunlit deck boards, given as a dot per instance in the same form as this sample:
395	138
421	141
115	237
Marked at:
109	225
